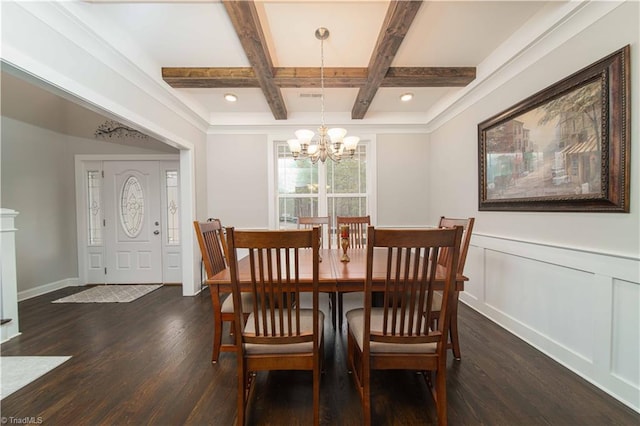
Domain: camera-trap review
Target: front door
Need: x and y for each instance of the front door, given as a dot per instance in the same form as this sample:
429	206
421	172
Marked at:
132	214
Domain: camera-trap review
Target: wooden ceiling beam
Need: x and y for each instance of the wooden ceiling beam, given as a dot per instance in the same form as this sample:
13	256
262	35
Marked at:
428	77
244	17
246	77
395	27
202	78
310	77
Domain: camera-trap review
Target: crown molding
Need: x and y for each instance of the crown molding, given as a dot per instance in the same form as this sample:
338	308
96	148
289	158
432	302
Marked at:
543	33
289	129
70	22
142	72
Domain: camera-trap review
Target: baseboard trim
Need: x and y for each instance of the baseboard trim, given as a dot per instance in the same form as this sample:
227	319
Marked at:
7	338
47	288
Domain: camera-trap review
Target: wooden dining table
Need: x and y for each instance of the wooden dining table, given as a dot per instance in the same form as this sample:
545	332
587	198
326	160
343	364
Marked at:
334	275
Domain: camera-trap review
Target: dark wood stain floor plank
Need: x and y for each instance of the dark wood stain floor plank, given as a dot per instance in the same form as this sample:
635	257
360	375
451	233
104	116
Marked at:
148	362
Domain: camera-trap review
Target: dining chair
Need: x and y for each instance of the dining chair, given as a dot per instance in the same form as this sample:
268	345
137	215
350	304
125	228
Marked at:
357	239
398	335
467	225
213	247
307	222
357	229
277	335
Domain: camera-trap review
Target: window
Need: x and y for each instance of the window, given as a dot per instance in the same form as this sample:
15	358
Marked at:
347	186
330	189
94	205
172	203
297	187
132	207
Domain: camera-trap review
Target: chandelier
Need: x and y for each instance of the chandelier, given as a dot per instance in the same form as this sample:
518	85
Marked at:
328	143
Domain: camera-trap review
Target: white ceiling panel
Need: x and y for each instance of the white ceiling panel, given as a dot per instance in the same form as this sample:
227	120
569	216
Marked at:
353	30
461	33
387	99
178	34
249	100
335	100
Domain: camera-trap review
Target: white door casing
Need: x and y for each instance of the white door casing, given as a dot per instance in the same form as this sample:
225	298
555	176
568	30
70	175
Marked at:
92	202
171	214
132	214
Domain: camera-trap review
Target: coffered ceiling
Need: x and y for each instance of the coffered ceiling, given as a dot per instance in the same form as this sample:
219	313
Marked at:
270	79
266	53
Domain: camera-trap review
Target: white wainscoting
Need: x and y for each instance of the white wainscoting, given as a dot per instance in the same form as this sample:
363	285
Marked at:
580	308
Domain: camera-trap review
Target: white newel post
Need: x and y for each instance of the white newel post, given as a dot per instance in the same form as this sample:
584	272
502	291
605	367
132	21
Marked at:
8	282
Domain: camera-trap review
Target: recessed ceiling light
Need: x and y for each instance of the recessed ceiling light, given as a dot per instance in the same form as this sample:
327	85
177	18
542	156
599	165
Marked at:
406	97
230	97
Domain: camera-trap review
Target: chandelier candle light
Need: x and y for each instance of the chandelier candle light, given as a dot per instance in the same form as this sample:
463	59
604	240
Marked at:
330	143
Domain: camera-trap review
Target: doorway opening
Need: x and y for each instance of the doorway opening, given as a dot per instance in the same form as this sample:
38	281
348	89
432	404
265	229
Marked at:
128	213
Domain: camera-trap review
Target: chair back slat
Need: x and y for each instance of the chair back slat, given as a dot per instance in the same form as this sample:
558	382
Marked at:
467	225
276	259
357	229
307	222
212	244
406	290
412	261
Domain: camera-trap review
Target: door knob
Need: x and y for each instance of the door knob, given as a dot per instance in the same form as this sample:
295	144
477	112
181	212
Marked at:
156	232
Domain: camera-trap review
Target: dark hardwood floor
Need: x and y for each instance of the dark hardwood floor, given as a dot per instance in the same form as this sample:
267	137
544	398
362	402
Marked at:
148	362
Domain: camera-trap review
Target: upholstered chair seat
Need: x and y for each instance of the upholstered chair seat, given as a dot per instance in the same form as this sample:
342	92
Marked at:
355	319
306	327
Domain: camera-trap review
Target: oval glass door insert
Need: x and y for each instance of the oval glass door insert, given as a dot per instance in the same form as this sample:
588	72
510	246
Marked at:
132	207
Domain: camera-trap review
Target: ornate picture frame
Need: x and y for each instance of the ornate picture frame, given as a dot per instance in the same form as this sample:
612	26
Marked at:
566	148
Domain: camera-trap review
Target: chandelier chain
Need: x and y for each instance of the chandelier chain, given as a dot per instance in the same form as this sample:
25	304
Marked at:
322	81
330	143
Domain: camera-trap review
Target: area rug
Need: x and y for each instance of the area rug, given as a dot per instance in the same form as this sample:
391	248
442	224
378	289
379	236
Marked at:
110	294
19	371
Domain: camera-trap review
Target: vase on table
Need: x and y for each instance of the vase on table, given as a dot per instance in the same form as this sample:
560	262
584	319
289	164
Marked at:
344	242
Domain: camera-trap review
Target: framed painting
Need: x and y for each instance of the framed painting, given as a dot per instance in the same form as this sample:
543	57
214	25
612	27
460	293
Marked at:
565	148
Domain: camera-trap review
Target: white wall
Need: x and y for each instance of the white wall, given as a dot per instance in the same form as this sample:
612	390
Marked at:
237	180
568	283
402	168
38	181
457	141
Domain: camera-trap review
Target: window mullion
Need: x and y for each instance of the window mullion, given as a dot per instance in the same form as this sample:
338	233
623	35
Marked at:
322	189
